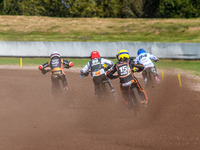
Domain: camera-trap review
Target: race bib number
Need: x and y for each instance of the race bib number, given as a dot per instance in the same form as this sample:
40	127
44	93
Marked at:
123	70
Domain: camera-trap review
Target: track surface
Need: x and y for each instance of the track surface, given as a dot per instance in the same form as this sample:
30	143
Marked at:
31	119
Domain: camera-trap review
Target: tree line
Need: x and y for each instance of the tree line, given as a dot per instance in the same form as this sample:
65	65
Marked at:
103	8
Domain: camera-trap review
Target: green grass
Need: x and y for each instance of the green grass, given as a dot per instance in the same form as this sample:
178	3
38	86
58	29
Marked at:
38	61
192	66
170	36
26	61
27	28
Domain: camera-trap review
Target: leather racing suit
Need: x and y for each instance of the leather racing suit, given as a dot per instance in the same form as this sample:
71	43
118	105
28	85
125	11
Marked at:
98	73
56	65
127	78
146	60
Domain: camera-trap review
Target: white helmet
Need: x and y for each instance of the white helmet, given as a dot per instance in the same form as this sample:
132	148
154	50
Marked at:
55	54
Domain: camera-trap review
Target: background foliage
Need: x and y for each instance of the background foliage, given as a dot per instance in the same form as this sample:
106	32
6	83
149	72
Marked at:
103	8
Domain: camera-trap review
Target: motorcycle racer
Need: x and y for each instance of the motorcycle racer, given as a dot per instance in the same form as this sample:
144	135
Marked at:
96	66
146	59
124	68
56	67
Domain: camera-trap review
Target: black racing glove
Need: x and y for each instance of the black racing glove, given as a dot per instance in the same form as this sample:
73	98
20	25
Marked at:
43	71
86	74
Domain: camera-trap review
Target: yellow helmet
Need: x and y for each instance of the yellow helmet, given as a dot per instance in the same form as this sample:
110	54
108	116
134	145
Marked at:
122	54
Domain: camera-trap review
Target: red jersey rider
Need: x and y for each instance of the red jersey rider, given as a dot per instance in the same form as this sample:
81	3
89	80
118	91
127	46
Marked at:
56	65
96	65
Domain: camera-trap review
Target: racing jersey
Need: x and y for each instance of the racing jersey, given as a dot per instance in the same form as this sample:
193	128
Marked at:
145	59
56	65
96	66
124	71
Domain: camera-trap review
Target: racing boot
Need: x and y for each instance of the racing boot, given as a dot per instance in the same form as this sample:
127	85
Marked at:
144	104
145	81
66	86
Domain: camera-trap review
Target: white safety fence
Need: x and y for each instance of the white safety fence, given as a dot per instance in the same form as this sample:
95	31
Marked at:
106	49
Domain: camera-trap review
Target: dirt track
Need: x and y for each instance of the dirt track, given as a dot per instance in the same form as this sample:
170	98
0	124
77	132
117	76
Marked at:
33	120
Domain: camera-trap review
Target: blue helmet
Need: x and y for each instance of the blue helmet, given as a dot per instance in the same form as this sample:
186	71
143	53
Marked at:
140	51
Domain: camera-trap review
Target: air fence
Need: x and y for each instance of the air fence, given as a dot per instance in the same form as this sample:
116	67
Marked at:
106	49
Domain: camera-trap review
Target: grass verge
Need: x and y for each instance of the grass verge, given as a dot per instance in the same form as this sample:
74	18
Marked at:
192	66
34	28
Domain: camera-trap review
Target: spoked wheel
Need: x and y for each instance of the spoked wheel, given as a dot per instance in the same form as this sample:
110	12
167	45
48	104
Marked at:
135	100
110	91
152	79
151	82
139	99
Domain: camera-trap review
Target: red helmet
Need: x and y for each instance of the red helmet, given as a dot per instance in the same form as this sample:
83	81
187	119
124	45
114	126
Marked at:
94	54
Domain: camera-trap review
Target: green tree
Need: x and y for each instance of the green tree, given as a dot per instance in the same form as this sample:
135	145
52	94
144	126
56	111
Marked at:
108	8
179	8
151	8
1	7
31	7
93	8
132	8
10	7
103	8
126	9
55	8
81	8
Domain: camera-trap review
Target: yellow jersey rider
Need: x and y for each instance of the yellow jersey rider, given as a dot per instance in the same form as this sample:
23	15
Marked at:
124	68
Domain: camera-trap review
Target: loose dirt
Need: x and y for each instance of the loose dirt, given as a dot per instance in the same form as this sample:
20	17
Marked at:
32	119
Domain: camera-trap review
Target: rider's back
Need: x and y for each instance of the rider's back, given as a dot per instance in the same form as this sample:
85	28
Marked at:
145	59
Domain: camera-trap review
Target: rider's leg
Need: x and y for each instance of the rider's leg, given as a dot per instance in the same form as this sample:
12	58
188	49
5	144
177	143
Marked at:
141	91
65	82
97	87
156	76
103	85
53	84
132	94
144	75
111	86
125	94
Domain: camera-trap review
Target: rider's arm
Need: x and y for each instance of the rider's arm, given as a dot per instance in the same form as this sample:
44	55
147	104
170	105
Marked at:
110	73
136	60
41	67
154	58
67	63
86	68
139	66
109	63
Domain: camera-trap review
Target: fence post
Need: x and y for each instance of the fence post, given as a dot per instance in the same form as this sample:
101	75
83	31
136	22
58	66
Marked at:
179	79
20	62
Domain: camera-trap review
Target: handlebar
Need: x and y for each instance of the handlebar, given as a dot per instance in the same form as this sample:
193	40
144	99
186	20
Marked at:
134	70
45	71
48	70
83	75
